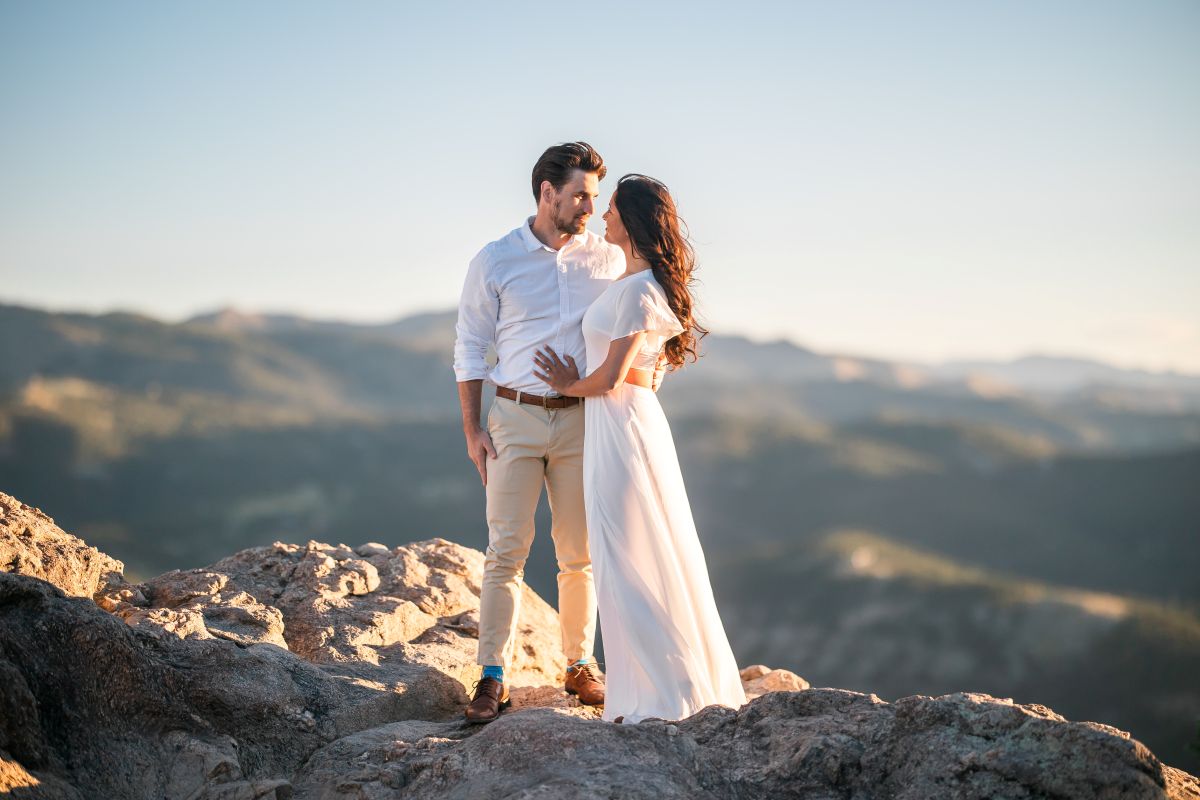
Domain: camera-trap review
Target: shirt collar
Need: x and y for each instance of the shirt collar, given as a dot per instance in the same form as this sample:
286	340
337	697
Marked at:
533	243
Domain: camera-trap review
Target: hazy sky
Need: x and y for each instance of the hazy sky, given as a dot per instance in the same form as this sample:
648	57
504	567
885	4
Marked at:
918	179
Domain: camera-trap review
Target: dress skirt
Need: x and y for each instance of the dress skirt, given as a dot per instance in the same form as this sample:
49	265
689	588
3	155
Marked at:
666	653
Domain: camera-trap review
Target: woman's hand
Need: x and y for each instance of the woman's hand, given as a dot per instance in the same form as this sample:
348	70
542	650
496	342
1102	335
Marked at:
558	375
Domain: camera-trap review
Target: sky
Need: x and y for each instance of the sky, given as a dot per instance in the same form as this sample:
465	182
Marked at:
918	181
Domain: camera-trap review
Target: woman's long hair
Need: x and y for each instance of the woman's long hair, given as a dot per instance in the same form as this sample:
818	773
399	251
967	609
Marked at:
658	235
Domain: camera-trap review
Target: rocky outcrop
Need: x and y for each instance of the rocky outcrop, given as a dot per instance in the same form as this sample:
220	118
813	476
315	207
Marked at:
821	743
403	621
328	671
31	544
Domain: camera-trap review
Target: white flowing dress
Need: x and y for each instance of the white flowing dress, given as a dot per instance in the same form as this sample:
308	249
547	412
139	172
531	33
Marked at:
666	653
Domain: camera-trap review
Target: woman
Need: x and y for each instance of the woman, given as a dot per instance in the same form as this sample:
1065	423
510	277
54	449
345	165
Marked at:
665	650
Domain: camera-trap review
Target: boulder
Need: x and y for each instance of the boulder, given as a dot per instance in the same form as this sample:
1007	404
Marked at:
757	680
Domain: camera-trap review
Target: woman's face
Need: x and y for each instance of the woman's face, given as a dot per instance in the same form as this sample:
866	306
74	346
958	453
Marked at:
614	229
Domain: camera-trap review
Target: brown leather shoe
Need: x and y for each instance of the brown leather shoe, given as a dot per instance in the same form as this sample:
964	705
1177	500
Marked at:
585	681
490	696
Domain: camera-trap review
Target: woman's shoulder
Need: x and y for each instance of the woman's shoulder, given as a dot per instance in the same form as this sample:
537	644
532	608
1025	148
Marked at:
640	292
643	284
645	297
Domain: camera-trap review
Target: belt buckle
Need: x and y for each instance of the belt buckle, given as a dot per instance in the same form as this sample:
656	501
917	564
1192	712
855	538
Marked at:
518	398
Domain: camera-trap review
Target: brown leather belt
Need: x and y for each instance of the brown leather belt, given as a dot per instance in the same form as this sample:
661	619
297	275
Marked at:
536	399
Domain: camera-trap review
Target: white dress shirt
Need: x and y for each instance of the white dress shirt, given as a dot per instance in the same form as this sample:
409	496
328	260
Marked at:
520	295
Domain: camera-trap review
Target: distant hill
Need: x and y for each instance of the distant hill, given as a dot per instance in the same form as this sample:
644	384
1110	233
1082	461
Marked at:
432	329
1061	375
336	371
1125	523
401	370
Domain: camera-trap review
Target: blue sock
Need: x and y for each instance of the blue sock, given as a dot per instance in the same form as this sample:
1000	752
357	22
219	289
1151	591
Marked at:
494	672
581	661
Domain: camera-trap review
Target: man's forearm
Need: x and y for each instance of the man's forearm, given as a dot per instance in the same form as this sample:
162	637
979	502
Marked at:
470	397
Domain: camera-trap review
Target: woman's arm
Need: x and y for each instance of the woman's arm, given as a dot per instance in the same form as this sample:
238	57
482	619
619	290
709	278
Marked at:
564	377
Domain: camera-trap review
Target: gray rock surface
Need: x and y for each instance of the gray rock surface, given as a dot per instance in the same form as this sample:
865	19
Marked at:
821	743
324	671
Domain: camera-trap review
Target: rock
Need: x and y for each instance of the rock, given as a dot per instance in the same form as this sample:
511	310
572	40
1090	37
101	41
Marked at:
284	644
211	769
753	672
813	744
757	680
31	544
195	604
18	783
98	697
386	617
551	697
371	763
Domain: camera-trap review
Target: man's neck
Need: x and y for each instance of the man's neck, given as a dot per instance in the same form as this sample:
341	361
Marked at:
547	232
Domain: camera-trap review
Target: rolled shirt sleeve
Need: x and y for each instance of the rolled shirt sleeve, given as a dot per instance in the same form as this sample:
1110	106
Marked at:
478	311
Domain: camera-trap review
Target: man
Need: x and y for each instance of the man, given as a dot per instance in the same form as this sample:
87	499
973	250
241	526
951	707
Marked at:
524	291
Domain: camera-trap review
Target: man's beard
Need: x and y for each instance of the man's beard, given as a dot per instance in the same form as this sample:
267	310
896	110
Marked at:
572	225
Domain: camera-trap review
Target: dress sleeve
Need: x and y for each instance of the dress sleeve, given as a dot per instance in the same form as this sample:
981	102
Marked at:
643	307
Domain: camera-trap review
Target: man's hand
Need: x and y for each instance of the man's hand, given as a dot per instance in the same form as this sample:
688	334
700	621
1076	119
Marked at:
660	369
480	449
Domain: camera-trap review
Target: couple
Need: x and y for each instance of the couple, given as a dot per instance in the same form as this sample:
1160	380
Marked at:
573	316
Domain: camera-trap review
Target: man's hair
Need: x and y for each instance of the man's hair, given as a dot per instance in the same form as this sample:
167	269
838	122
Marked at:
556	164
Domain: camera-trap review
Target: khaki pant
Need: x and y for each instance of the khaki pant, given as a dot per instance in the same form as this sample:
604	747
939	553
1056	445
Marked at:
535	445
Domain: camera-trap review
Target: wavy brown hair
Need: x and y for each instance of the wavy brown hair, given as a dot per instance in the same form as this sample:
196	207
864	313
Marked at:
659	236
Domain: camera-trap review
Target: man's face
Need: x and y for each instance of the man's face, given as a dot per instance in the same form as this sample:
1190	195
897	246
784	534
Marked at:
574	203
